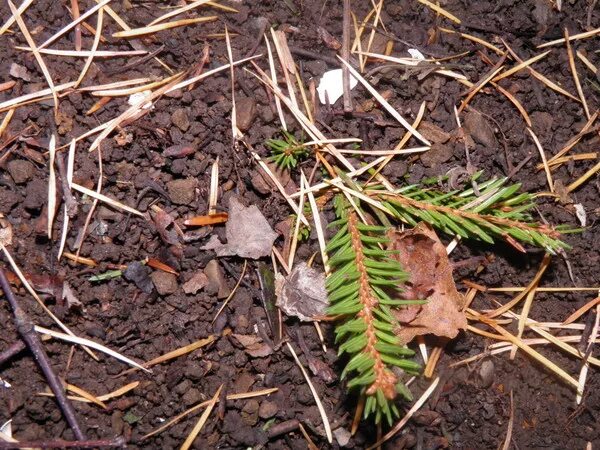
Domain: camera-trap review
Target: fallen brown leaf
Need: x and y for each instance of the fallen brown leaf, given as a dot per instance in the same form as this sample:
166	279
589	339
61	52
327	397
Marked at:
249	235
253	345
302	293
430	277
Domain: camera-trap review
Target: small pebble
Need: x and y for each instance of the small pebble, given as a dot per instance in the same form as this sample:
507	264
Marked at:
165	283
20	170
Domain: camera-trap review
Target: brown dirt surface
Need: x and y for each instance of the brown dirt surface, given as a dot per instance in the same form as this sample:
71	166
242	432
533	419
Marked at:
165	158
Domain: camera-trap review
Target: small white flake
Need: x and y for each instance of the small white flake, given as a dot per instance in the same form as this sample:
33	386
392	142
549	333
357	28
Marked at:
332	84
416	53
580	213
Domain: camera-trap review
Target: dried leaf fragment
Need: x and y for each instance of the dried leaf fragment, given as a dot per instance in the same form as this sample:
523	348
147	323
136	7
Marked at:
302	293
249	235
424	258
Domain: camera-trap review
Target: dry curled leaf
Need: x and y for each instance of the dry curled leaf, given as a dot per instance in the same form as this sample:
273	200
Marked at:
249	235
302	293
253	345
430	277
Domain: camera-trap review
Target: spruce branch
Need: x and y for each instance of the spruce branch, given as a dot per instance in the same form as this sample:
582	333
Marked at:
364	288
496	211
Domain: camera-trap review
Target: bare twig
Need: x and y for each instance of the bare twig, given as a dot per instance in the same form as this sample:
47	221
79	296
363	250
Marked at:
11	351
26	330
346	55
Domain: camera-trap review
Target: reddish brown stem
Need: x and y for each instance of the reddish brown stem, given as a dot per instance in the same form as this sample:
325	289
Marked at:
384	378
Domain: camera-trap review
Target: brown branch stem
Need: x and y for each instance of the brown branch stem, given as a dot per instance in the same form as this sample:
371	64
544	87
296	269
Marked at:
26	329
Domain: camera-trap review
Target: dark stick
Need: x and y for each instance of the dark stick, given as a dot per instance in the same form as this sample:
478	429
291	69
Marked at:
28	334
70	202
11	351
308	54
346	57
99	443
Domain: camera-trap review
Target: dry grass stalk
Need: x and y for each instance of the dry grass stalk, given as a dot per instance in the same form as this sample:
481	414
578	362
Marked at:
11	19
318	226
6	85
86	53
434	358
240	396
136	32
411	412
86	395
35	52
102	398
472	91
74	23
575	74
309	443
136	89
80	259
88	343
587	128
233	291
531	352
273	73
575	184
6	120
511	421
587	62
236	133
550	84
203	418
521	66
586	360
34	96
543	289
277	183
286	61
105	199
214	188
556	163
376	21
544	160
385	104
575	37
412	62
352	174
94	50
523	319
438	9
473	39
189	7
305	102
52	201
294	242
581	311
314	393
532	285
173	354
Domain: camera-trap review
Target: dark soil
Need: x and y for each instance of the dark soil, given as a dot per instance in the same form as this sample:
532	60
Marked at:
468	410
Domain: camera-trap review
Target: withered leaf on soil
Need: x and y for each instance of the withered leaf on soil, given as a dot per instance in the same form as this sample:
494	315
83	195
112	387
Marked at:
6	232
424	257
253	345
70	297
249	235
163	221
302	293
